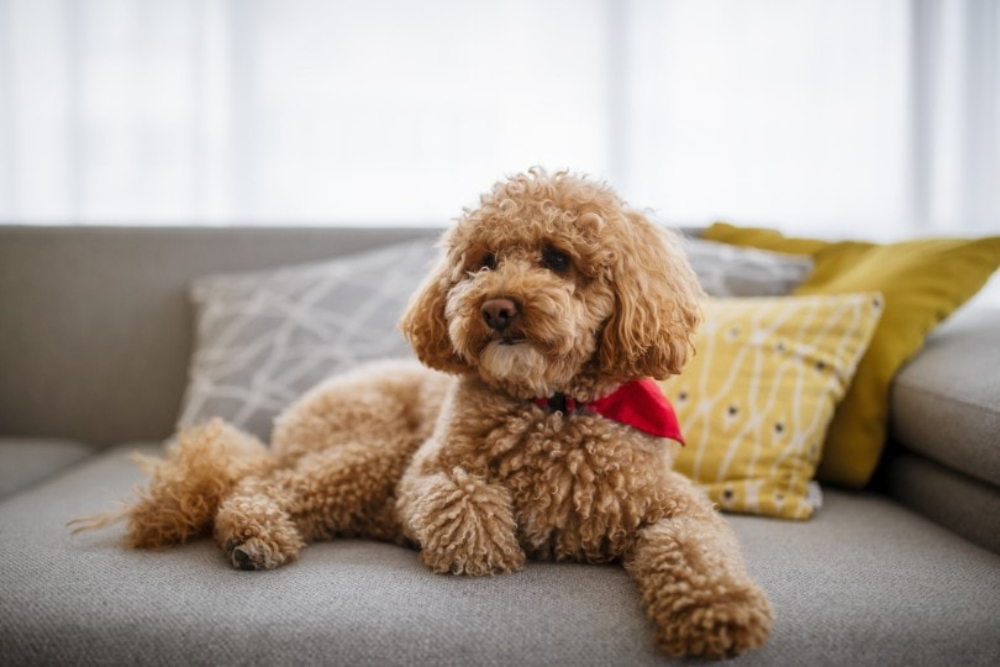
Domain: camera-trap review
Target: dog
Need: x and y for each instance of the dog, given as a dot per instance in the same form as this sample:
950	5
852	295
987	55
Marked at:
530	429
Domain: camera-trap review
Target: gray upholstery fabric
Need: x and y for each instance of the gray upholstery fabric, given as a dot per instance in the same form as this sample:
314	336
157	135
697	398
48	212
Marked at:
27	461
961	503
946	402
864	583
96	330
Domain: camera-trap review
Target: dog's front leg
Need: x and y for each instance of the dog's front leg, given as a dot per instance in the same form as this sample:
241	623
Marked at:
694	584
463	523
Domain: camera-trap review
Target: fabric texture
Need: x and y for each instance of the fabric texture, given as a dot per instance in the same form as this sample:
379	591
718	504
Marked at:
265	338
963	504
25	462
866	582
726	270
945	403
755	401
923	281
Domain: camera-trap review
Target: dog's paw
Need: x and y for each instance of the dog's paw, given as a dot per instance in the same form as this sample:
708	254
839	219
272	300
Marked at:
256	536
471	558
466	527
256	554
732	623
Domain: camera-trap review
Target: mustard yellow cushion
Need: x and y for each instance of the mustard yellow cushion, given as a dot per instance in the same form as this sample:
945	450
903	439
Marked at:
922	282
755	401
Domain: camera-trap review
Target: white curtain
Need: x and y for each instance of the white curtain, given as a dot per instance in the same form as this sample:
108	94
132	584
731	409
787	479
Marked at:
848	118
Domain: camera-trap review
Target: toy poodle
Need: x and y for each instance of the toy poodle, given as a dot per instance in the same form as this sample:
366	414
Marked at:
532	429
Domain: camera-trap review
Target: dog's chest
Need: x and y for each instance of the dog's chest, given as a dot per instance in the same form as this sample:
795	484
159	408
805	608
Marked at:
582	485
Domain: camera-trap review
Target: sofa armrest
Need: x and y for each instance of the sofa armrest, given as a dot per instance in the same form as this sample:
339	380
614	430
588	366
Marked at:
960	503
945	404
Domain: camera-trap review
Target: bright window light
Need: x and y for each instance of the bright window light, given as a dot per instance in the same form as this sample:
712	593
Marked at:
849	118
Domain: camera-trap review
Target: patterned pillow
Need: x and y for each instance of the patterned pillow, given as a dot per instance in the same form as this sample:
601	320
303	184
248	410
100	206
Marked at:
264	338
756	400
726	270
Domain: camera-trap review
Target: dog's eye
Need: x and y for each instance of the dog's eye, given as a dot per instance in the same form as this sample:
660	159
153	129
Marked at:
489	261
556	260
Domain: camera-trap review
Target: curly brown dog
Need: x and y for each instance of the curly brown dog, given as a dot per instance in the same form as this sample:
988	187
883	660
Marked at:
549	298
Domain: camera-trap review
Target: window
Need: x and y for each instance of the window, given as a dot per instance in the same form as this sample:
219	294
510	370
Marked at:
840	118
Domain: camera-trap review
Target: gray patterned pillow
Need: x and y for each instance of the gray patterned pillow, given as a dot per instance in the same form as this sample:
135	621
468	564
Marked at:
731	271
264	338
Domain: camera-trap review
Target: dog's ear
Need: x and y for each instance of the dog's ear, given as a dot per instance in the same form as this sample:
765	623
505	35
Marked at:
424	323
657	304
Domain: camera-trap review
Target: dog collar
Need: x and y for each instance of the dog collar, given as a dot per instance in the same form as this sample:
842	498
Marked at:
639	404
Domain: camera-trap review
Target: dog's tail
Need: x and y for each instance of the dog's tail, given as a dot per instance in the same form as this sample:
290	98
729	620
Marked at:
186	487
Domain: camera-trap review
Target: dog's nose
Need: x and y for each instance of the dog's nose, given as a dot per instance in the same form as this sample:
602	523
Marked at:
499	313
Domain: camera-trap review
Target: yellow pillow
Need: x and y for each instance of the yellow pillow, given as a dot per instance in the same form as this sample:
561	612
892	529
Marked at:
755	401
922	282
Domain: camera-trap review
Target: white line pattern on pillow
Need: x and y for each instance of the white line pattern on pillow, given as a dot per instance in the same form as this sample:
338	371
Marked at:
264	338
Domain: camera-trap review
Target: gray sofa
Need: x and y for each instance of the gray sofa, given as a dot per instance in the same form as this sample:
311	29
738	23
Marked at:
95	338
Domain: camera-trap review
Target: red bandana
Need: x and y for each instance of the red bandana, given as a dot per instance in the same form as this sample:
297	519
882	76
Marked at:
639	404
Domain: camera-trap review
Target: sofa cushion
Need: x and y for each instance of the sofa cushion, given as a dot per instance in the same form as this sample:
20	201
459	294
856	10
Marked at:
923	281
946	402
96	327
865	583
27	461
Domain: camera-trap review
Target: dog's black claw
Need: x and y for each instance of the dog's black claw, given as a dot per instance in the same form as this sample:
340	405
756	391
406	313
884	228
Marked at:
242	560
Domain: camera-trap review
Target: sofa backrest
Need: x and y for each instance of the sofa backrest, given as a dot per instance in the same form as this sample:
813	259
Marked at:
96	329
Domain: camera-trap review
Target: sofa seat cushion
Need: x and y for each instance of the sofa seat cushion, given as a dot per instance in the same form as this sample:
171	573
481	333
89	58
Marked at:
946	401
964	504
865	582
27	461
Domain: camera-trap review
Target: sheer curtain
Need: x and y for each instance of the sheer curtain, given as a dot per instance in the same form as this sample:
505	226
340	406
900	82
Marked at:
848	118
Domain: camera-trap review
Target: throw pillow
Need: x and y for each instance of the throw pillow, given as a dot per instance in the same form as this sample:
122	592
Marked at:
728	270
755	401
922	282
264	338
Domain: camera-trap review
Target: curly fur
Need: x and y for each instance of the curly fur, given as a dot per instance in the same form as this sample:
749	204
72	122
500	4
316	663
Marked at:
463	464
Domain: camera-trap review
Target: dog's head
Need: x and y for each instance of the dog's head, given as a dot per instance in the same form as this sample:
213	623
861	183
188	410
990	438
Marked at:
553	285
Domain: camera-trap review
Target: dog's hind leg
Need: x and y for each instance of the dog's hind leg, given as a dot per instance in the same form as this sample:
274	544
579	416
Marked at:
342	449
346	490
372	404
186	486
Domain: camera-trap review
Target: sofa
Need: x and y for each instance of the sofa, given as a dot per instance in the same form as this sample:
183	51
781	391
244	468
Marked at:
96	337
